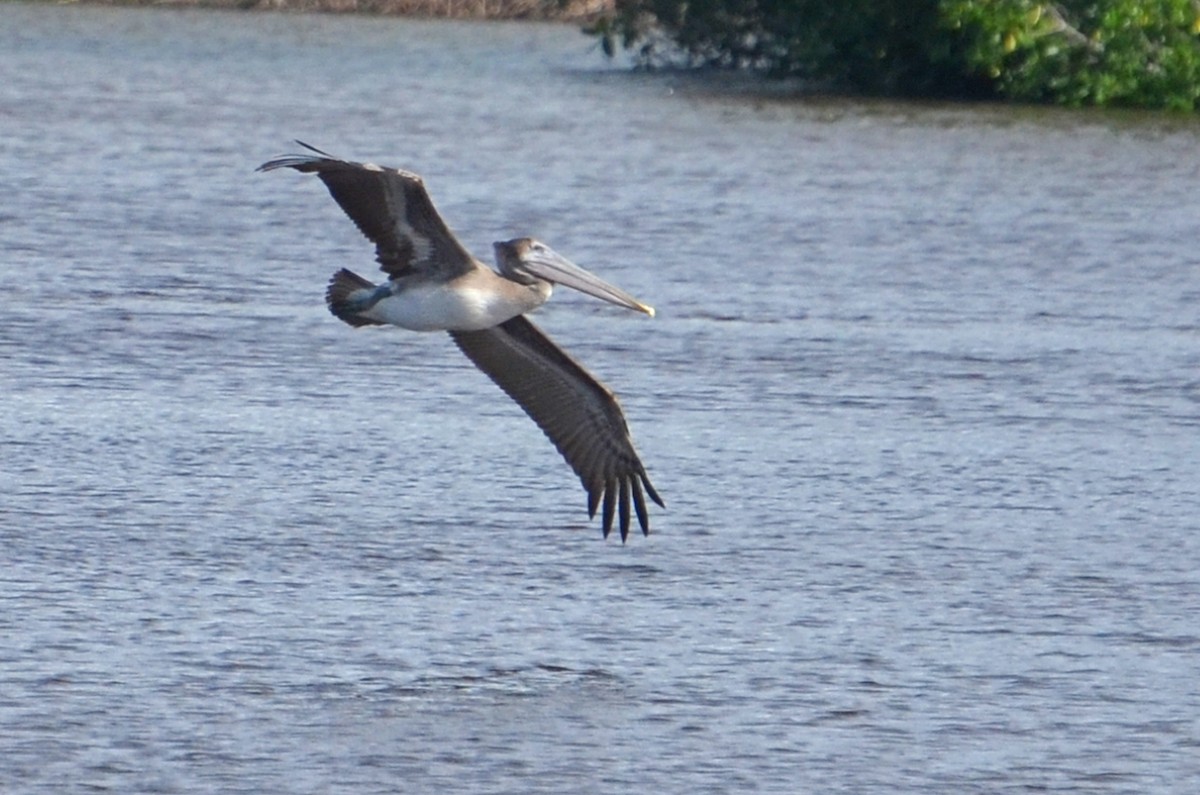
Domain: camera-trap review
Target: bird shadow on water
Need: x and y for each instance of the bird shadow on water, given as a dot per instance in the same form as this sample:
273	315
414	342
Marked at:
458	682
502	681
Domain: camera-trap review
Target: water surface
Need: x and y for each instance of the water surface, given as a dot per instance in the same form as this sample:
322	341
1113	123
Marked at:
922	398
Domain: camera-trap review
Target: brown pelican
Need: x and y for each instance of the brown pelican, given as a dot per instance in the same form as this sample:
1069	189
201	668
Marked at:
434	284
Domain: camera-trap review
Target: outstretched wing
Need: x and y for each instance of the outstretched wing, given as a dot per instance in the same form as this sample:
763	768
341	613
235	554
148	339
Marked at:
392	208
578	414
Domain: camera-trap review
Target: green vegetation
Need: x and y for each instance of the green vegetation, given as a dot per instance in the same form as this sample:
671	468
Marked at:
1076	52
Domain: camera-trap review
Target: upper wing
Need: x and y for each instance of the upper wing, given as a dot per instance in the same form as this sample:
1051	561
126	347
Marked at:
578	414
392	208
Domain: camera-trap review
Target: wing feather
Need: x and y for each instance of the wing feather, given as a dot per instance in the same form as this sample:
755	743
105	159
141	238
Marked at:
391	208
576	412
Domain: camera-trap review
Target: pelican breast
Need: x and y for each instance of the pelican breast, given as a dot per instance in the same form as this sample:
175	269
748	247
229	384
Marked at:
475	301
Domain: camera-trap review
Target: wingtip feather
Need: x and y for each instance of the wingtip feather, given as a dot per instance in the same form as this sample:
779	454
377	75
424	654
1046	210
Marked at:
639	505
650	490
609	510
593	500
300	162
624	510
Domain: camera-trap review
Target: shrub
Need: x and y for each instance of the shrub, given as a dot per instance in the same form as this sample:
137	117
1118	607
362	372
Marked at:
1119	52
1128	52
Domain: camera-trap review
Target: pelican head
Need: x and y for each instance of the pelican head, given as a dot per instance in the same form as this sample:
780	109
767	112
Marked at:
527	261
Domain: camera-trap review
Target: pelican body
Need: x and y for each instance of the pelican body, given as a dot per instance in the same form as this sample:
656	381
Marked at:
435	284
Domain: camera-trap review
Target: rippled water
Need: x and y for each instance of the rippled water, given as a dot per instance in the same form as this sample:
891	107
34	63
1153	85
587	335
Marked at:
923	400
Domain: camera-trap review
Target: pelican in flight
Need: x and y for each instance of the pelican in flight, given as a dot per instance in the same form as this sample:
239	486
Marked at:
434	284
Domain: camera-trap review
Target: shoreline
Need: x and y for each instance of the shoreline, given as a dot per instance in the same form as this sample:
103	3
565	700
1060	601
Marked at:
578	11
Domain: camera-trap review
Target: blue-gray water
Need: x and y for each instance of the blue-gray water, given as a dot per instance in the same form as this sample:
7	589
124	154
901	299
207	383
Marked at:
923	398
